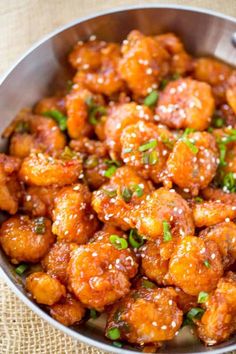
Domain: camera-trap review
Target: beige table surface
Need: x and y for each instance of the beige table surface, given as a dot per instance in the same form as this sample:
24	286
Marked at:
22	22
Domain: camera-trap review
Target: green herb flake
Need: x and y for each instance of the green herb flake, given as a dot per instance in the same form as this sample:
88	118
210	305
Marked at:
91	162
151	99
69	85
207	263
22	127
95	111
112	162
229	182
153	157
117	344
110	192
110	171
94	314
60	118
148	284
68	154
166	231
175	76
147	146
118	242
39	225
187	132
198	200
127	194
202	297
168	143
21	269
135	240
163	84
195	313
113	333
218	122
222	149
191	146
137	189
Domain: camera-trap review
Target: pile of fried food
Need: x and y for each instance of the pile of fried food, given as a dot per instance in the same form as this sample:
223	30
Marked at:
122	188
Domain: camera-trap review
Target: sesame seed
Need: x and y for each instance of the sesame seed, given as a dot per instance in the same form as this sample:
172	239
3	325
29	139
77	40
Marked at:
154	323
173	324
85	66
227	219
186	190
100	80
76	188
213	256
92	37
164	327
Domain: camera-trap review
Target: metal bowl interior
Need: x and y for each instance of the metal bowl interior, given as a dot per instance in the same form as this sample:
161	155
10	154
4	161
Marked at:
44	67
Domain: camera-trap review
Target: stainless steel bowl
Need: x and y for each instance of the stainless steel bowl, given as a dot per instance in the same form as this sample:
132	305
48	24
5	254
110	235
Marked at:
44	67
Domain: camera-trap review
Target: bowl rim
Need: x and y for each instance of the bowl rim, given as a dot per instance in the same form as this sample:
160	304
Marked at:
30	304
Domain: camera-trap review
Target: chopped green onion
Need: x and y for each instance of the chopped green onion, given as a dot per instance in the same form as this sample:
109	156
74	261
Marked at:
195	313
117	344
163	84
186	140
21	268
175	76
148	284
202	297
228	139
22	127
153	157
137	189
191	146
126	194
113	333
207	263
112	162
127	150
166	231
210	129
151	99
187	132
218	122
68	154
222	149
110	171
60	118
69	85
94	111
198	199
229	182
145	158
110	193
94	314
169	144
91	162
149	145
135	240
40	226
118	242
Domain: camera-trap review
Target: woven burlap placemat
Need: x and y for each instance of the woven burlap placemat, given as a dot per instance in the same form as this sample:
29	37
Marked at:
22	23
